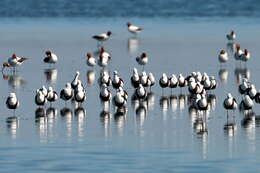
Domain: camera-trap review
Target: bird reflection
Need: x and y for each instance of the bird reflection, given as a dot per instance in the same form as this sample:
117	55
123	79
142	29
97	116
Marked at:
141	113
230	48
132	45
66	114
12	125
223	75
230	127
105	117
200	125
241	73
80	114
120	117
14	80
211	98
51	75
150	101
91	77
249	120
173	99
182	101
41	122
164	104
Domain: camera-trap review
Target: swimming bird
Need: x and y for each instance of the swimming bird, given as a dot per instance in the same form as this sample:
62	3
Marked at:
245	56
102	37
140	92
238	52
91	61
14	61
133	29
135	78
75	81
40	99
66	93
52	95
164	81
12	102
231	36
105	94
142	59
117	81
50	58
223	56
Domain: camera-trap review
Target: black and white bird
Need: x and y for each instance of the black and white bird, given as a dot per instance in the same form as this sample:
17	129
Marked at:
202	103
91	61
151	80
133	29
173	81
181	81
140	92
246	103
44	90
245	56
66	93
135	78
104	57
75	80
244	86
80	94
230	103
52	95
102	37
251	92
257	97
117	81
119	100
164	81
231	36
238	52
223	56
104	78
40	99
144	79
213	83
142	59
12	102
50	58
105	94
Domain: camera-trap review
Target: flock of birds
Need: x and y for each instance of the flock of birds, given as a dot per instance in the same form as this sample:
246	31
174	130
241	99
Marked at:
198	84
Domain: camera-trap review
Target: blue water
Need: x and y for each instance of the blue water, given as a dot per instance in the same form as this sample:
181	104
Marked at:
129	8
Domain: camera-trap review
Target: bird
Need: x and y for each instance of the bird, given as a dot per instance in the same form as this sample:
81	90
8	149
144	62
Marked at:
140	92
104	57
144	79
119	100
164	81
14	61
91	61
133	29
44	91
151	80
244	86
135	78
238	52
231	36
142	59
105	94
173	81
52	95
181	81
104	78
40	99
75	81
202	103
246	103
80	94
251	92
102	37
245	56
230	103
117	81
213	83
223	56
66	93
50	58
12	102
257	97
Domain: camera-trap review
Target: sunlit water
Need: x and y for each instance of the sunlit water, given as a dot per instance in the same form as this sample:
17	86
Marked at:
156	135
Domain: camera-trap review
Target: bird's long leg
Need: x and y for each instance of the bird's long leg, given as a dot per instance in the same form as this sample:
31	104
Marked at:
143	68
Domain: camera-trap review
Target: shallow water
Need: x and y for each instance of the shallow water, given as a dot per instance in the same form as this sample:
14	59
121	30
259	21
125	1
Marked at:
158	135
